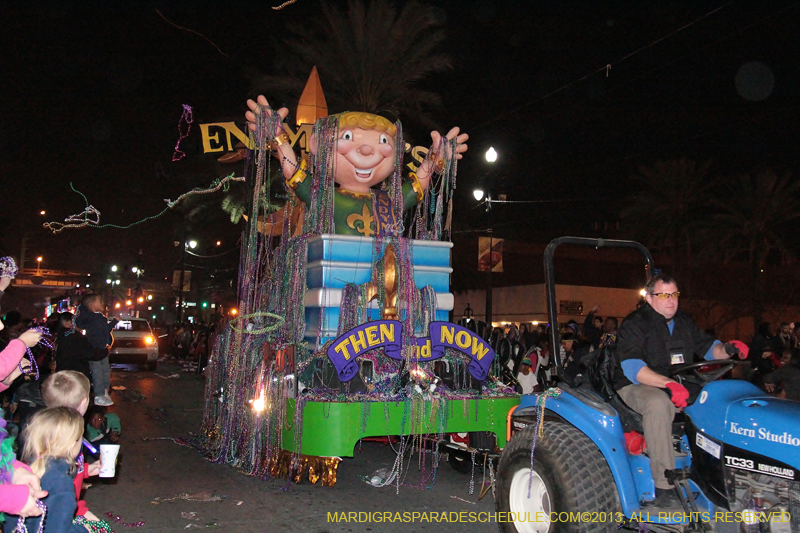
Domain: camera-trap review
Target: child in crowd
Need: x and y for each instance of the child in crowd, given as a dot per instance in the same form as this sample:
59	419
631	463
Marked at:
53	441
69	388
102	427
98	332
525	377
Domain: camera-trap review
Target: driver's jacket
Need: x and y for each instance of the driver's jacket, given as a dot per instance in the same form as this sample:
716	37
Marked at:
645	335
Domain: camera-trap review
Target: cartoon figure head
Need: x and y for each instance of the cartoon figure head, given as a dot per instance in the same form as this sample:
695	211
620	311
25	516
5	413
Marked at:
365	151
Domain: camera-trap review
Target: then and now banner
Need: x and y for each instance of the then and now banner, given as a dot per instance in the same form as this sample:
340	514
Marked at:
387	334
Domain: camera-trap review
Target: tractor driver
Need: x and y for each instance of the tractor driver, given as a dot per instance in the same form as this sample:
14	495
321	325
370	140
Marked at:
652	341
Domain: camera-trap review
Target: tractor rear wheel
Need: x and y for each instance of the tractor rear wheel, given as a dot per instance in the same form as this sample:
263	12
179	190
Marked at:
570	475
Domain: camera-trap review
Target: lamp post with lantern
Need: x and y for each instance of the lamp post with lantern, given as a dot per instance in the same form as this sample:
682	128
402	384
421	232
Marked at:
491	157
186	245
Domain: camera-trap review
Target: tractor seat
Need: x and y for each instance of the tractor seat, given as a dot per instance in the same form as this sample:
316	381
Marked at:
635	443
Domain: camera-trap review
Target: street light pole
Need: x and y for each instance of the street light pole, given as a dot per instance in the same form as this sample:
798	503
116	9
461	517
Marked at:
489	270
180	285
186	245
491	157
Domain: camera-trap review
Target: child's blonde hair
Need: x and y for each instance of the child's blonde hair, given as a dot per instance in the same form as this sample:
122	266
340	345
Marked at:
51	434
66	388
366	121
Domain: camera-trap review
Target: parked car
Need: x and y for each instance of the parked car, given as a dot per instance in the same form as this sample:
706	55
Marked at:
134	343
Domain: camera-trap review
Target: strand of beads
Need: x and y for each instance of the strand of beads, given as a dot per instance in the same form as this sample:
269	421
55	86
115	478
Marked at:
8	268
44	340
396	183
319	210
22	528
183	132
540	407
118	520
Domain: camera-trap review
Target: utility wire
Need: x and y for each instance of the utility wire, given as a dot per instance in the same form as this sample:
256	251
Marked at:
646	74
599	70
210	256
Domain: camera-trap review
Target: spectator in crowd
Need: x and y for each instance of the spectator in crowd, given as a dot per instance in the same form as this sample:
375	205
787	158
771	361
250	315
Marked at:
572	327
102	427
545	362
796	335
574	353
11	358
68	388
593	327
609	337
763	341
73	351
784	338
19	486
98	333
525	377
600	332
182	342
531	336
53	442
785	381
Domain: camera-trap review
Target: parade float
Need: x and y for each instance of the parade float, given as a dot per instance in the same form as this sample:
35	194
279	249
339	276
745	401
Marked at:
344	298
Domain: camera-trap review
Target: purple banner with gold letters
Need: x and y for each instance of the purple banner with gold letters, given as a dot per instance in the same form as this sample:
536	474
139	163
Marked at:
387	334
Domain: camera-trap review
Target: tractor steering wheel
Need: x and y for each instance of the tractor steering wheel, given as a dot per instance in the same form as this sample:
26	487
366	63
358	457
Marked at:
701	378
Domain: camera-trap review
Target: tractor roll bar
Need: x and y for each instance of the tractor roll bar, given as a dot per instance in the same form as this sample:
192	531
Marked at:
550	282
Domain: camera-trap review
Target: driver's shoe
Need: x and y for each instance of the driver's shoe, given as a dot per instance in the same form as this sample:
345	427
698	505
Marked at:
666	499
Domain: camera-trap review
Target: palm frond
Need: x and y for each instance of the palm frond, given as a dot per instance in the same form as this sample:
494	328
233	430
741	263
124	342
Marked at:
370	58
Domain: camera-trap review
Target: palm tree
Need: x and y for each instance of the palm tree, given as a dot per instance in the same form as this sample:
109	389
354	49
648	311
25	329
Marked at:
370	58
665	209
749	221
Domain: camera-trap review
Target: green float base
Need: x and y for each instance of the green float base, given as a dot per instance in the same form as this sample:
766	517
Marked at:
332	429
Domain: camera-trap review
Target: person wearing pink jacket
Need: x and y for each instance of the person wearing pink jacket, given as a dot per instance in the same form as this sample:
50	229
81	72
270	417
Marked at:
11	356
19	487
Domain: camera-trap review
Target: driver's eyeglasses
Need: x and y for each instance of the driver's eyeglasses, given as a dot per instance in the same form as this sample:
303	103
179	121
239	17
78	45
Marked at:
666	295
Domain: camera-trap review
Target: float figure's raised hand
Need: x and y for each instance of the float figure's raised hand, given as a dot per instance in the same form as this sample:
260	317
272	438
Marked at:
284	146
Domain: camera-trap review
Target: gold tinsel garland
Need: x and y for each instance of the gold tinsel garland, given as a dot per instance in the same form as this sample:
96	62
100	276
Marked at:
318	468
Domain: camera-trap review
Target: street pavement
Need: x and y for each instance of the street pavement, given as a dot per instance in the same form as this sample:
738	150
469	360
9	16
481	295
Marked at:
155	477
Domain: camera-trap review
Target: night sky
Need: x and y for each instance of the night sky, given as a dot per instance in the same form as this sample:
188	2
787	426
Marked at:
92	93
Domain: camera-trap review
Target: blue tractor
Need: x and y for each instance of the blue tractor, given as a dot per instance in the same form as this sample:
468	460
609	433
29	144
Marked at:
567	467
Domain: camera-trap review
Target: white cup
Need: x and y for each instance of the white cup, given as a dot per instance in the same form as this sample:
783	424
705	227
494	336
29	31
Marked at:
108	454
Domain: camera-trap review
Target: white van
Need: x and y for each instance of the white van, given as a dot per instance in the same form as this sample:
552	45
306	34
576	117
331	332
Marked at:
134	343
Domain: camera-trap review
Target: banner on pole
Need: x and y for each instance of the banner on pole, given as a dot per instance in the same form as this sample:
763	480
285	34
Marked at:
176	280
487	257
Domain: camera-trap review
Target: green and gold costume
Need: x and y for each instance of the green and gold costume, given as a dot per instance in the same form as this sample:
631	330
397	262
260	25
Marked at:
353	212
